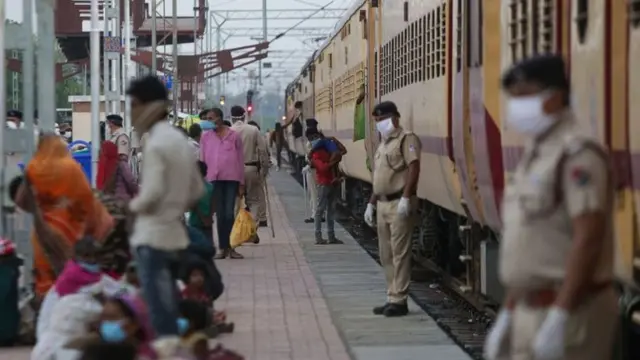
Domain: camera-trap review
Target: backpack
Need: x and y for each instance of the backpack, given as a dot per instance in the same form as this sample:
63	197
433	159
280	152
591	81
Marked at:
296	128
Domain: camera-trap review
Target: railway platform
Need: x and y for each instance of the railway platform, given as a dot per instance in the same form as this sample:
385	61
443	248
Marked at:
291	299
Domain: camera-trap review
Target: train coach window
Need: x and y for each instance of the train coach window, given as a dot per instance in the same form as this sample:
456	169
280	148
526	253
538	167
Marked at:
582	19
459	36
543	26
518	29
634	13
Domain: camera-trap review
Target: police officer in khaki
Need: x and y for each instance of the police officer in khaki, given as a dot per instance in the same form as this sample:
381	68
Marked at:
395	178
255	157
556	259
119	136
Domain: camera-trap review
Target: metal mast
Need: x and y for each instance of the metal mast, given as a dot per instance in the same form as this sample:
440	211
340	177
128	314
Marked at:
264	36
175	58
95	88
46	64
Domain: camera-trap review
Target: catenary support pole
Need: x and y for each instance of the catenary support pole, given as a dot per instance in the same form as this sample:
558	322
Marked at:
46	64
3	110
127	65
28	73
176	81
95	88
154	37
264	36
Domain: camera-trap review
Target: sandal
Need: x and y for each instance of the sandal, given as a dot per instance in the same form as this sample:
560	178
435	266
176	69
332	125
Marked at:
225	328
219	317
224	253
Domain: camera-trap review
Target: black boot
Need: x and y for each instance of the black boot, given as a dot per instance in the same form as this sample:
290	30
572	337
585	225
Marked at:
379	310
394	310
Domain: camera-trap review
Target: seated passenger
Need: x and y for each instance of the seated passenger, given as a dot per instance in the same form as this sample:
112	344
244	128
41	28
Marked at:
78	276
192	326
201	214
70	319
125	319
327	187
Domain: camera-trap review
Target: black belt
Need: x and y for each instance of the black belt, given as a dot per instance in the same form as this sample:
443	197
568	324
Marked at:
253	163
391	197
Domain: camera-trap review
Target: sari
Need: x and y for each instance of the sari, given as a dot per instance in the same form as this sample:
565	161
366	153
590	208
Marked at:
64	199
107	164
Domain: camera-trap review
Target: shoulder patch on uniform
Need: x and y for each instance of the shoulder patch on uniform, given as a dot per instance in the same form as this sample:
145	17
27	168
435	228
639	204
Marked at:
580	176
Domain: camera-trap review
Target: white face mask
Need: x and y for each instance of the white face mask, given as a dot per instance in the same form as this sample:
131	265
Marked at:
385	127
526	115
67	135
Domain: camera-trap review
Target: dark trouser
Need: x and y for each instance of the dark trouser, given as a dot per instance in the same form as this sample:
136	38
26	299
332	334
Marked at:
279	155
157	270
224	195
327	198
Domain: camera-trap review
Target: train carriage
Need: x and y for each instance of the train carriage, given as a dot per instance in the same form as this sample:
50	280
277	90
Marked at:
440	61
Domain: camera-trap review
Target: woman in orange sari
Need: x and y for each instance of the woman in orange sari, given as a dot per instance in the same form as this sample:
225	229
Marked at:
65	207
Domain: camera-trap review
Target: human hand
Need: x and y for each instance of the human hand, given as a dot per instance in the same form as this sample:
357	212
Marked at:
549	342
494	344
241	190
306	169
368	215
403	207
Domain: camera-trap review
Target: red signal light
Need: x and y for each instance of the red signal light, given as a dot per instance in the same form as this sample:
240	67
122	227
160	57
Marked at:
249	108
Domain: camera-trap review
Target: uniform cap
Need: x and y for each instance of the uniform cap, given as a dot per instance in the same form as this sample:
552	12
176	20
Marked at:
549	71
237	111
115	119
14	114
386	108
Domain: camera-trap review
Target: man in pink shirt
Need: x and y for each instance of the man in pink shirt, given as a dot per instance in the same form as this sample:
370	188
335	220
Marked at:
222	151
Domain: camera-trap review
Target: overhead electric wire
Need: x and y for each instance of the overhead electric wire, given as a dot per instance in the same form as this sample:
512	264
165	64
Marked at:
302	21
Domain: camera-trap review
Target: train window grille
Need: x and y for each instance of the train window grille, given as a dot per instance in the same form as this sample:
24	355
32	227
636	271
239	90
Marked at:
376	73
634	13
430	35
543	26
518	29
459	37
440	41
405	56
582	19
422	50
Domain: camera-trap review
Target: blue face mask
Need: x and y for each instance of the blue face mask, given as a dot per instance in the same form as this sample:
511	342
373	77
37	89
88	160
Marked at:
111	331
183	326
92	268
207	125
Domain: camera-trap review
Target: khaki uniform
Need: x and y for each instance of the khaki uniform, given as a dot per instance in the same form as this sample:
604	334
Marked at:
394	231
255	159
121	139
561	176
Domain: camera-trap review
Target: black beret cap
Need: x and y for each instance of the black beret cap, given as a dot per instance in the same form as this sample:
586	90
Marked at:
14	113
115	119
386	108
549	71
237	111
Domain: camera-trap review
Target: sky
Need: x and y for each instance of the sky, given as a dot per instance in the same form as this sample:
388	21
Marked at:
288	53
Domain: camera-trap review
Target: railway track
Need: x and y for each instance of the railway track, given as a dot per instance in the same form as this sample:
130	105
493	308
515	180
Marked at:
461	317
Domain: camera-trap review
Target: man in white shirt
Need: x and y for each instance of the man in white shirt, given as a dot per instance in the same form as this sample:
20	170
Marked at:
159	235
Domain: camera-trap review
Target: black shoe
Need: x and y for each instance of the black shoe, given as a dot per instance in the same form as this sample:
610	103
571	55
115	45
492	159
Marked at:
333	240
309	221
263	223
394	310
320	241
379	310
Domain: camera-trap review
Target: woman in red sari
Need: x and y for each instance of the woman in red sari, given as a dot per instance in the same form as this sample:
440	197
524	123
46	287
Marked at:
114	175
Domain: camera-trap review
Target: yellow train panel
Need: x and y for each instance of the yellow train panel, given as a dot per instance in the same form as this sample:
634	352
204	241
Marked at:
413	75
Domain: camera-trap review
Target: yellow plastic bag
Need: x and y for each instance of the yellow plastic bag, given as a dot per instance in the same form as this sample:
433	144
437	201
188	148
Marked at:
244	227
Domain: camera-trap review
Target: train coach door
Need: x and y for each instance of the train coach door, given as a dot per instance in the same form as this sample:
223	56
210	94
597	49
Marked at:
632	76
460	119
